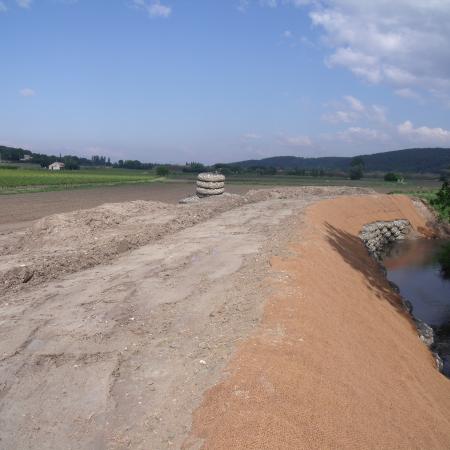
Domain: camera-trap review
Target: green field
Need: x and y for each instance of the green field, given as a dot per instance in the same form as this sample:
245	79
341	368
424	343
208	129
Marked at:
35	180
26	180
411	184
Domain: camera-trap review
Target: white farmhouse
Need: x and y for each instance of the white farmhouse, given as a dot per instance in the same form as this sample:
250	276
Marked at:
56	166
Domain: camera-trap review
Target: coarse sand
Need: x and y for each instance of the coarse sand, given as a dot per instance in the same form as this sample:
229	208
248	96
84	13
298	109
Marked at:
335	362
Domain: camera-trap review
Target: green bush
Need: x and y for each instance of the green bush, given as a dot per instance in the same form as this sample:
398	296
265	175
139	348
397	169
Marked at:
356	168
194	167
442	201
162	171
9	167
356	173
391	176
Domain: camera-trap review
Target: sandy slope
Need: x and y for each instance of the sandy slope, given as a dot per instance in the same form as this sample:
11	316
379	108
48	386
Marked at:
335	364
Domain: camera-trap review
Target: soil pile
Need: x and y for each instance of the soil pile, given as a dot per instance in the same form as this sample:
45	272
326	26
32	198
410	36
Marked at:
69	242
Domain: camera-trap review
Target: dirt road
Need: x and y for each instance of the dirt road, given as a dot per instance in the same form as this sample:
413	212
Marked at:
119	355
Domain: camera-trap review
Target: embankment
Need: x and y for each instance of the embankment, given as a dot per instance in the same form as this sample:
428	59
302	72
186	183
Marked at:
336	362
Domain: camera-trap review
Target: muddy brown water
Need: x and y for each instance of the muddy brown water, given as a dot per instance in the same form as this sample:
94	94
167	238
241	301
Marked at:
414	266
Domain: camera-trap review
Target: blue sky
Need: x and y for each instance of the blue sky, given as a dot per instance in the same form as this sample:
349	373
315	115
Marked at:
224	80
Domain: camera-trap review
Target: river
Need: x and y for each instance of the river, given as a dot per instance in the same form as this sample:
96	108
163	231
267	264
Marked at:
417	268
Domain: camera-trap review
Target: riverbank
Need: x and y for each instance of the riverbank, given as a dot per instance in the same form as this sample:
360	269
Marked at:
415	267
336	362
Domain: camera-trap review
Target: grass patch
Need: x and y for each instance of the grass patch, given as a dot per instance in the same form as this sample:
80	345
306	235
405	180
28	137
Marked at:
411	184
441	202
29	180
439	199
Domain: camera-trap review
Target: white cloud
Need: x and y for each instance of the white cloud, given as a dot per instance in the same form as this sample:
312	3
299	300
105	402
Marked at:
269	3
402	135
251	136
340	117
275	3
243	5
24	3
354	110
359	63
308	42
377	113
3	7
367	134
287	34
426	135
154	8
408	93
295	141
27	92
354	103
403	43
158	10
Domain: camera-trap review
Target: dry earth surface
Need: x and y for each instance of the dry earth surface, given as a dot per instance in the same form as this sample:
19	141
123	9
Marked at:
16	211
116	320
107	348
69	242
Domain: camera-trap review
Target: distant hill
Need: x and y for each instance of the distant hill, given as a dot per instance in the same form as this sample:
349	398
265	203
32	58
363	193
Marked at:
417	160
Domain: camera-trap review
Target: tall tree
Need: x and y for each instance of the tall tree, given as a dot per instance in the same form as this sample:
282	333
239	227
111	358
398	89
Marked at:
356	168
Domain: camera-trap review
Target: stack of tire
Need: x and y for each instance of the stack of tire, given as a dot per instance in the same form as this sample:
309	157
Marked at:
209	184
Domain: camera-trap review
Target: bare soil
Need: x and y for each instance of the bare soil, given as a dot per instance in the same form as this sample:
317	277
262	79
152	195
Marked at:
69	242
262	312
115	320
18	209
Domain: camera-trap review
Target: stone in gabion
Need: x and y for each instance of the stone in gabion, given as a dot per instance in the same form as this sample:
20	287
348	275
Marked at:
378	234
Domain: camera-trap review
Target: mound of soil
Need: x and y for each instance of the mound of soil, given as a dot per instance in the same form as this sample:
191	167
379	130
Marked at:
69	242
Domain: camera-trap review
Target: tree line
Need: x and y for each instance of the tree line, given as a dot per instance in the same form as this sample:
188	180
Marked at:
71	162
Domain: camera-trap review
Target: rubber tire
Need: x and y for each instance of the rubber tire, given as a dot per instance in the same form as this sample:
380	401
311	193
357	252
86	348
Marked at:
211	184
207	192
207	176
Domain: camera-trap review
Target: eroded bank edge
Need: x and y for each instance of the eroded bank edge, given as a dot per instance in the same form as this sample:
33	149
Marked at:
377	237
